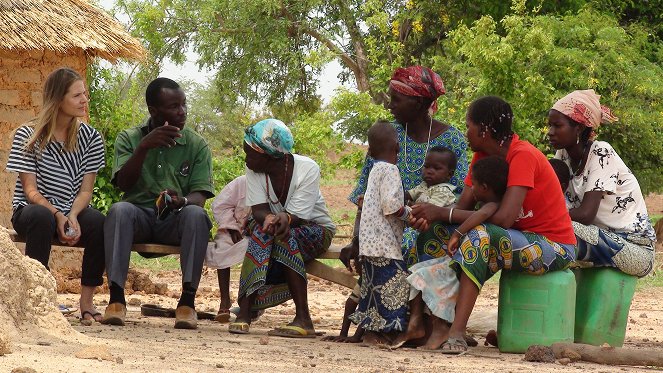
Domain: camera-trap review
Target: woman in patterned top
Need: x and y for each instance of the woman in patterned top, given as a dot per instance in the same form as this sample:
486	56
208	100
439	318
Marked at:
57	158
608	210
413	92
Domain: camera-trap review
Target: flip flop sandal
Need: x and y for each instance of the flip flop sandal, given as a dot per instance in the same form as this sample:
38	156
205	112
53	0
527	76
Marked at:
66	310
450	347
238	328
205	315
88	322
292	331
223	316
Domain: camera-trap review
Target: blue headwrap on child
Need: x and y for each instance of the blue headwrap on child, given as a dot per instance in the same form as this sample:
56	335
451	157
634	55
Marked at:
270	136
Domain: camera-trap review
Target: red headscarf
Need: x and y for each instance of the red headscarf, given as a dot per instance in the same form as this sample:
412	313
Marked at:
418	81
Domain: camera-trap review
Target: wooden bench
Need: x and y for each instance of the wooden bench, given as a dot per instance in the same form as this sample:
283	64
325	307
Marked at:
315	267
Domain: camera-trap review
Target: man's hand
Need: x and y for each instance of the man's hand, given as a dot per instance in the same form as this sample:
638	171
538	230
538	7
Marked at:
176	202
163	136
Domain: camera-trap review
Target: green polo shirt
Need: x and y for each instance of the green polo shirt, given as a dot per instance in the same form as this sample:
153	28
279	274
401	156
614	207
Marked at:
185	167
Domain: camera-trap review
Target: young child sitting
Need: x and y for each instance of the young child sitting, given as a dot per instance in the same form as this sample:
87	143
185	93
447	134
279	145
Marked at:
433	282
229	245
438	168
384	290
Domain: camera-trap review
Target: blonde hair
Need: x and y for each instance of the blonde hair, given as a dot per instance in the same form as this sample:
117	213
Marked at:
55	88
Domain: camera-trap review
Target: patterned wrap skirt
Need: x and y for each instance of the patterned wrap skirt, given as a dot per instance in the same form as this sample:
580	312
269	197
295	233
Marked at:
383	300
438	284
267	258
488	248
633	255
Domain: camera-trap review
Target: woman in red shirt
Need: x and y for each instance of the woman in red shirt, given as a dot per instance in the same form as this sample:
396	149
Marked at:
530	232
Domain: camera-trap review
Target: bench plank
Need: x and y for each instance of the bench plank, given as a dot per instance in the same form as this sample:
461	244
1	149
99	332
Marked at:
314	267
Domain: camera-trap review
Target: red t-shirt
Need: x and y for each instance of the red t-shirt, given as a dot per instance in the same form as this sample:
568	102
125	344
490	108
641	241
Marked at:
544	210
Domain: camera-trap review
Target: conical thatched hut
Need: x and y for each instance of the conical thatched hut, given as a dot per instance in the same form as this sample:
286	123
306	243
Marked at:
36	37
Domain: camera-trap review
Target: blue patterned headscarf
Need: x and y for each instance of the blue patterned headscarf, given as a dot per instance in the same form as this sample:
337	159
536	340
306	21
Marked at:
270	136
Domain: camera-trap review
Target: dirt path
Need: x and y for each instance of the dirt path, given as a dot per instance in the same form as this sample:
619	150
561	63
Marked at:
148	344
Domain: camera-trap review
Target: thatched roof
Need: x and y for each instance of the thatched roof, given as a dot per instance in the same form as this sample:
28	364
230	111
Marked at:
62	25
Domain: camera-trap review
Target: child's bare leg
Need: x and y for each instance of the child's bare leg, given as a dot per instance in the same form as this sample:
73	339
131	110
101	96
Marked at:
415	326
223	276
350	307
467	296
439	333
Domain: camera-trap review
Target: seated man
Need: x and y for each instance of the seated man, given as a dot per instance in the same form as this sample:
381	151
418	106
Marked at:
161	160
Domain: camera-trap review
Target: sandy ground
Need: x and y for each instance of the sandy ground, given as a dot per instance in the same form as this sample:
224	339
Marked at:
150	344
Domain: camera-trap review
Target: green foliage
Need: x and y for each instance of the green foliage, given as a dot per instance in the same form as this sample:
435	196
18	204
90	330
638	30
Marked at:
353	160
355	112
114	107
540	58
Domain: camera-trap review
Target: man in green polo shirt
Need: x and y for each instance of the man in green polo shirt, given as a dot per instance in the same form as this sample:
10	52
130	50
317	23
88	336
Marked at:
163	160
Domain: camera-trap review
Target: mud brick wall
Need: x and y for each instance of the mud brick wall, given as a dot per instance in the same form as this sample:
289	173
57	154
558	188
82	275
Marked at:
22	76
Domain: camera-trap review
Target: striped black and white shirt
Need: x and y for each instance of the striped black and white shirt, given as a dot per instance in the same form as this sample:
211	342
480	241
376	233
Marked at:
59	173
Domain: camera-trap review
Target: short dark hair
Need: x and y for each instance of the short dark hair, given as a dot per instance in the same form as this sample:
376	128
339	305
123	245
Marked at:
154	90
492	171
493	115
561	170
453	160
379	134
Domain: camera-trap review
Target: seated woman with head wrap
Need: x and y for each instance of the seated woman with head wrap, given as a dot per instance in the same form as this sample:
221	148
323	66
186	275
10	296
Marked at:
608	210
289	226
413	93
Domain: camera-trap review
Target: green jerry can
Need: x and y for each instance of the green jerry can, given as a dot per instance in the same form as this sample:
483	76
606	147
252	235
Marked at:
603	300
535	310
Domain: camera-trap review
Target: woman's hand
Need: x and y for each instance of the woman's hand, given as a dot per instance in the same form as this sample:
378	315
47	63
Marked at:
269	224
428	211
61	222
73	224
282	225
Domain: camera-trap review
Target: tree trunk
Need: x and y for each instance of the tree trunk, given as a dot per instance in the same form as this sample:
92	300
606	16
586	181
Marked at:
610	355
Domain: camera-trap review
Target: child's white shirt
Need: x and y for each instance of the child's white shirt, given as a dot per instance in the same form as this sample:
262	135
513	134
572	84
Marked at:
380	232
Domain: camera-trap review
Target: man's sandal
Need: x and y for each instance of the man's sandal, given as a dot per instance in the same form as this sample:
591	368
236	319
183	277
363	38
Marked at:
238	328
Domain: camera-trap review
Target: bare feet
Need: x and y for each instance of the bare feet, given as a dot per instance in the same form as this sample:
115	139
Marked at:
341	339
415	330
439	334
374	339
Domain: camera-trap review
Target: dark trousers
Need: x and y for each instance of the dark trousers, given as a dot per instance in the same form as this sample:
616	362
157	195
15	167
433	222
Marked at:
37	225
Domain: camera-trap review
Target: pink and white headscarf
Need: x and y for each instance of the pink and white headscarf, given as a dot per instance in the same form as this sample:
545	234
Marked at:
583	106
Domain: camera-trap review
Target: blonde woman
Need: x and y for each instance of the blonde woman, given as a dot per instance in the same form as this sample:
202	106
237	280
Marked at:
57	158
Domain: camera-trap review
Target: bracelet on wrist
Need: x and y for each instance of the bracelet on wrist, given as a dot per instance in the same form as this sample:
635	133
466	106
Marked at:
451	212
56	212
289	218
459	233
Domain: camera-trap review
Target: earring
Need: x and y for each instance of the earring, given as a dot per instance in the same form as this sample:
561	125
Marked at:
578	140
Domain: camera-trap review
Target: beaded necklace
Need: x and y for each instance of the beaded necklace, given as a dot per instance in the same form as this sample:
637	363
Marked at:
430	128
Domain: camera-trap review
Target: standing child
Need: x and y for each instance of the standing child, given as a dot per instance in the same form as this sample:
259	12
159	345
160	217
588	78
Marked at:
229	245
489	180
384	290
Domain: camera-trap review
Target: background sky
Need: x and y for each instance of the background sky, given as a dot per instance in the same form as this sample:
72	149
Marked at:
189	71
